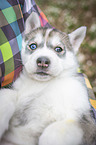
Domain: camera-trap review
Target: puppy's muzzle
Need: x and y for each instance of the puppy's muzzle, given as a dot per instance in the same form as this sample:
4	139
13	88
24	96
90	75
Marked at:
43	62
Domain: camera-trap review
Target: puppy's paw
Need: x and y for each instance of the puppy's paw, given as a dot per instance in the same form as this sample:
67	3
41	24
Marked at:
62	133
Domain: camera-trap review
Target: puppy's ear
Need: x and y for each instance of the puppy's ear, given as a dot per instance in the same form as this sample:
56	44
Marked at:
76	38
32	22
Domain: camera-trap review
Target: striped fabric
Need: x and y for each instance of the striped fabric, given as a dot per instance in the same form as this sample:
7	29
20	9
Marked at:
13	14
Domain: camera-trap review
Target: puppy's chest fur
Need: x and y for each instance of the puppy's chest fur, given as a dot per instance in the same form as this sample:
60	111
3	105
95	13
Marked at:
50	102
42	105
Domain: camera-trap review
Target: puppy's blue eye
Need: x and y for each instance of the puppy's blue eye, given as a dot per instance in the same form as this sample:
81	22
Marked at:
33	46
58	49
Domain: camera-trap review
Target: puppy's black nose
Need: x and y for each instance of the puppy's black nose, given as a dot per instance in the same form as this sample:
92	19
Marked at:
43	62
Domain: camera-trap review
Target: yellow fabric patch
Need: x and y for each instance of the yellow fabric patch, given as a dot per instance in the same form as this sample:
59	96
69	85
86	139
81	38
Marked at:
93	103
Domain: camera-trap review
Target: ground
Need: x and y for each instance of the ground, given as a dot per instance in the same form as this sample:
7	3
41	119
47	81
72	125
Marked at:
68	15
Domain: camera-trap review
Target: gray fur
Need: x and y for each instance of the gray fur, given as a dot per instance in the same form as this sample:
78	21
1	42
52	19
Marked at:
63	36
88	125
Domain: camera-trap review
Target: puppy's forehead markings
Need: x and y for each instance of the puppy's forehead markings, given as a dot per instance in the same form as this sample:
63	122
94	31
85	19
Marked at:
38	37
43	35
35	34
55	40
46	35
59	37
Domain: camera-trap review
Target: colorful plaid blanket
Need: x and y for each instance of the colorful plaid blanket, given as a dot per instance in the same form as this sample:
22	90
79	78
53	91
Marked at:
13	14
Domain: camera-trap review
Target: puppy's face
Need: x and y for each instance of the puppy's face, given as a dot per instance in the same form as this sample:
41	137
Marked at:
47	53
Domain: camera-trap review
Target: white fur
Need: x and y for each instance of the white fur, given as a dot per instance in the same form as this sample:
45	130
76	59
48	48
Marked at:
47	106
61	133
34	21
79	35
7	108
50	102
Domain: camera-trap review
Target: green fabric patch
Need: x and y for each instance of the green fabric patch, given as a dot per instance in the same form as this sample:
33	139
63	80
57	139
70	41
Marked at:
9	66
9	14
3	38
6	51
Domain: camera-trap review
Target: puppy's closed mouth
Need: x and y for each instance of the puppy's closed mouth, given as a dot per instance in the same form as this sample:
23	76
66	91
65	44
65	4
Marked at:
42	73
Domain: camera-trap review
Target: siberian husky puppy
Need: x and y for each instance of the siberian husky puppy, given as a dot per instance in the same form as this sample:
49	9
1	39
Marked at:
48	104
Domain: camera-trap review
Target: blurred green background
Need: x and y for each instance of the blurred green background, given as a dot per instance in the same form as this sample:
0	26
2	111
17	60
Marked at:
68	15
